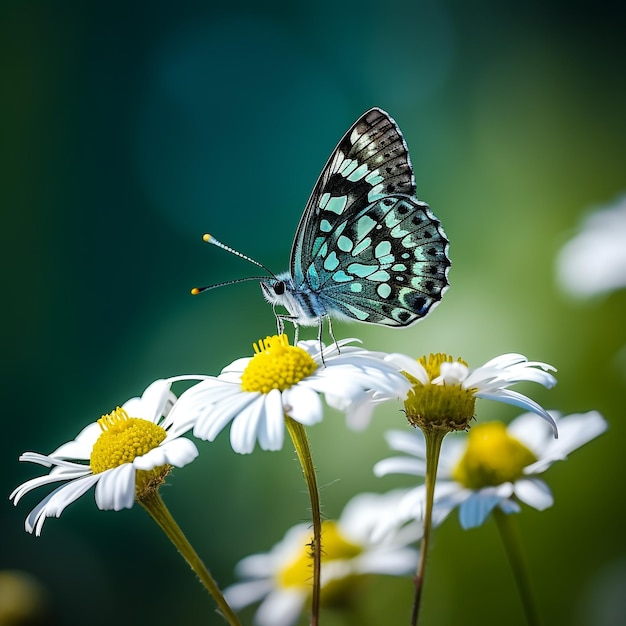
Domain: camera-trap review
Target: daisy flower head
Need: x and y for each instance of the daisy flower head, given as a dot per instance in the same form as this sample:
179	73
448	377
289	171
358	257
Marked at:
256	393
353	549
494	465
444	390
126	455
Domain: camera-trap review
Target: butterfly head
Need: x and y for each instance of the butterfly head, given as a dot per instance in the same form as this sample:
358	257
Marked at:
303	307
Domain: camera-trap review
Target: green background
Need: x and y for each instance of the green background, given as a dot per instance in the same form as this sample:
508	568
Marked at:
130	129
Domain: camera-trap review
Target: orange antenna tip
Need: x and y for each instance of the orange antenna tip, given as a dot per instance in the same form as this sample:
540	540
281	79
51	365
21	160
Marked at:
195	291
206	237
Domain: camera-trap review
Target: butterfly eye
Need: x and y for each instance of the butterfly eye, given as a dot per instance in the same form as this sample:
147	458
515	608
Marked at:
279	288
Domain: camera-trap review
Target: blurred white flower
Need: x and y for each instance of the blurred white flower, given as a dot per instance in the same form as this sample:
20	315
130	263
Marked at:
494	465
352	547
594	261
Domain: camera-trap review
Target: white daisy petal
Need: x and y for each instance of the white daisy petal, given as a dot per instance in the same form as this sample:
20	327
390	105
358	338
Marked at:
574	431
303	405
411	442
509	506
410	366
271	430
54	503
475	509
81	446
241	595
534	492
452	374
400	465
177	452
535	439
399	563
281	609
517	399
359	412
48	479
115	489
216	417
235	368
156	401
244	429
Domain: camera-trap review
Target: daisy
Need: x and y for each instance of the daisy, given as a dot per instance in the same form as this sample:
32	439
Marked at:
493	466
256	393
352	549
444	390
126	455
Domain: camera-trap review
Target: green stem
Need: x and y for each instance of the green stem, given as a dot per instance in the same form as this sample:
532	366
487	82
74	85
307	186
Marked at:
513	545
434	438
153	503
301	443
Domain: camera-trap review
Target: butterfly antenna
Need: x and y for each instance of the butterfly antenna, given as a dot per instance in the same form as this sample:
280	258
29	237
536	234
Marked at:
196	290
212	240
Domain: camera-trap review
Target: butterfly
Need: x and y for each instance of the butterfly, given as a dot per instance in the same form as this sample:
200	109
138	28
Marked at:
366	248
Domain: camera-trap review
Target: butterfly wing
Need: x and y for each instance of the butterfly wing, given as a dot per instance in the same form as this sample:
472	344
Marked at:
365	247
387	264
370	161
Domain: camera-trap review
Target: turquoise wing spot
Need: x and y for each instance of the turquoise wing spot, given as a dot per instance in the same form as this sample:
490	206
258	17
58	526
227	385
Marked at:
360	270
331	262
344	243
383	290
382	249
364	226
362	246
374	178
380	276
359	314
342	277
337	204
358	173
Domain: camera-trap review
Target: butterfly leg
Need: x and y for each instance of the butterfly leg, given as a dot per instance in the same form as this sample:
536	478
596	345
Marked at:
330	332
280	321
280	325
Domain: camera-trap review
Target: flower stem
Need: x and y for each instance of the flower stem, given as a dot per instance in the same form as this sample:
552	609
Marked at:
434	438
517	559
153	503
301	443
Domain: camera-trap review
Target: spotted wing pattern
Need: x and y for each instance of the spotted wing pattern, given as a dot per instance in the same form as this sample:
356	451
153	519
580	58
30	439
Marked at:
366	248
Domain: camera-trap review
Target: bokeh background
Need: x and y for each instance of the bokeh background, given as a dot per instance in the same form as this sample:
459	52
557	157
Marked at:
130	129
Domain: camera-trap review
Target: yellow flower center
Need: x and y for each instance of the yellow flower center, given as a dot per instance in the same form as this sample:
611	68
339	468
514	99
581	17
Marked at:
276	365
123	438
439	406
492	457
299	573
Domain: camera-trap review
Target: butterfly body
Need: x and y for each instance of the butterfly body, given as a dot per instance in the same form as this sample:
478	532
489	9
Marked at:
366	248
